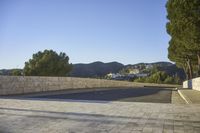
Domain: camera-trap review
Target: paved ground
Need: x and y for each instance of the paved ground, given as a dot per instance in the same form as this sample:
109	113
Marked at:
190	96
93	111
34	116
144	94
176	98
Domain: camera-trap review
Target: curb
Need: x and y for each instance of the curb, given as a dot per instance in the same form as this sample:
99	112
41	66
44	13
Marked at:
184	97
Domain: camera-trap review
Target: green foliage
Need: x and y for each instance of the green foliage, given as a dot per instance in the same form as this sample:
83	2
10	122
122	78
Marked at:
160	78
95	69
16	72
154	70
184	29
168	80
48	63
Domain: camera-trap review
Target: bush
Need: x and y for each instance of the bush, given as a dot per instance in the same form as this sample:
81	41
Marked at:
160	78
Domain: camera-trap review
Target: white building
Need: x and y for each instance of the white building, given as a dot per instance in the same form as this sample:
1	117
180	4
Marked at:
140	75
149	66
134	71
113	75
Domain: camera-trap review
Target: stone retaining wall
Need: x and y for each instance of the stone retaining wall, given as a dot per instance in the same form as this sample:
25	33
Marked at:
192	84
30	84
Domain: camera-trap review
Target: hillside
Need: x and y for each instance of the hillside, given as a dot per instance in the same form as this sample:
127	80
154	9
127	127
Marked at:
10	71
95	69
100	69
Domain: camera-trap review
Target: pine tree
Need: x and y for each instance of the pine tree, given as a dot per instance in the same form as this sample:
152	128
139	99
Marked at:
184	28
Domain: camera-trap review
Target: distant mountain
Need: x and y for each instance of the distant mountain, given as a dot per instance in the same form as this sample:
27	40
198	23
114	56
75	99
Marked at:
169	68
162	64
5	71
173	70
100	69
158	64
95	69
9	71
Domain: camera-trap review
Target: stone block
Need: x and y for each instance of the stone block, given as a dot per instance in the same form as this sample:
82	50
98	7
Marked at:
28	84
192	84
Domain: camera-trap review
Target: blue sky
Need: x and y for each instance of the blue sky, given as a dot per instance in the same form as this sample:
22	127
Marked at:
127	31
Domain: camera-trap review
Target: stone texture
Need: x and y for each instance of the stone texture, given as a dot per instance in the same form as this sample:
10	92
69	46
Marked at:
176	98
31	116
192	84
29	84
190	96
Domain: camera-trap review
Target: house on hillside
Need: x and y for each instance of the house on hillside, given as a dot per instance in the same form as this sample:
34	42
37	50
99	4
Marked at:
149	66
134	71
140	75
113	75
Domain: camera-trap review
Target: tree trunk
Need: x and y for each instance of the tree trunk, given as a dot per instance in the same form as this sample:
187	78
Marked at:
186	72
190	70
198	57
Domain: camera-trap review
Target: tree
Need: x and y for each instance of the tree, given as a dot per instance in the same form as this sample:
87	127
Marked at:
48	63
184	28
183	57
159	77
16	72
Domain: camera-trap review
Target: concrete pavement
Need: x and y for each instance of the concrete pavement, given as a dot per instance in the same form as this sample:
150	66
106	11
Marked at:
36	116
190	96
35	113
176	98
136	94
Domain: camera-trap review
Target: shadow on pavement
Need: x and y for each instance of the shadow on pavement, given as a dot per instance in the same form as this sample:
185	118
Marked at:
83	117
155	95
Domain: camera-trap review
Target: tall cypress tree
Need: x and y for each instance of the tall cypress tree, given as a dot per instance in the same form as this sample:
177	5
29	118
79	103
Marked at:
184	28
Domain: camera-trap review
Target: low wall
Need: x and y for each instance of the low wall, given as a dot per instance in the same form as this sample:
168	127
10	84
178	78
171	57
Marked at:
192	84
30	84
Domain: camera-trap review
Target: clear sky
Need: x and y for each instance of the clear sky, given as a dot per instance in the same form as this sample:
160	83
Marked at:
127	31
